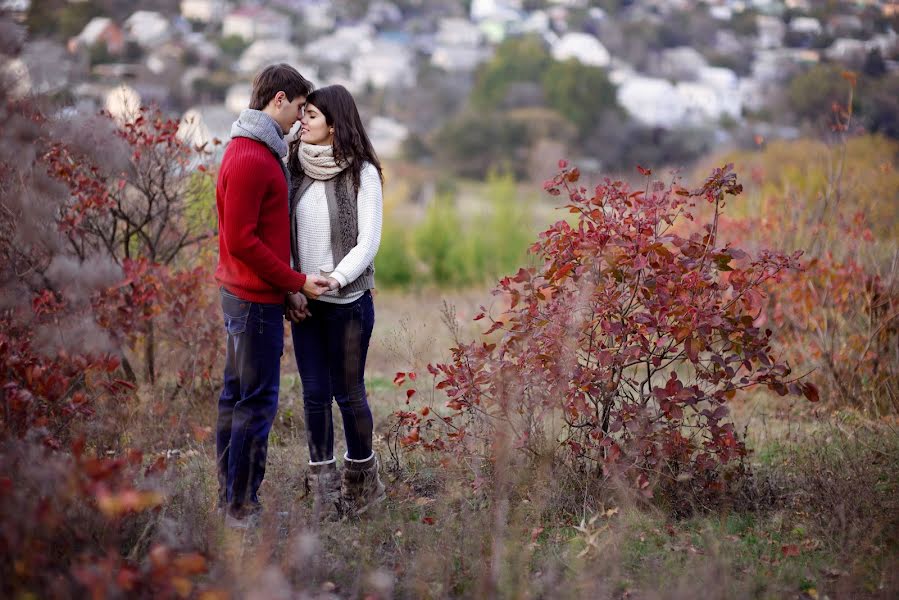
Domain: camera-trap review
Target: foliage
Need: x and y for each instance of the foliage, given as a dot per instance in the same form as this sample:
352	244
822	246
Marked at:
633	335
579	92
147	213
838	320
450	249
474	143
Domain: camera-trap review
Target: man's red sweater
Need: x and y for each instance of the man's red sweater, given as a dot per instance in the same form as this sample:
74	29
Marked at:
254	225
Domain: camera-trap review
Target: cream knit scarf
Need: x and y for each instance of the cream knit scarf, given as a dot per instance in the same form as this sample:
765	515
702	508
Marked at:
318	161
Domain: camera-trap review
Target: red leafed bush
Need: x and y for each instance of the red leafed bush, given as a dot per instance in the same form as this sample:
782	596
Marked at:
624	348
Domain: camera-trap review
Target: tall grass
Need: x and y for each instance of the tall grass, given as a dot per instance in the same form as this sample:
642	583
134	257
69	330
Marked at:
460	242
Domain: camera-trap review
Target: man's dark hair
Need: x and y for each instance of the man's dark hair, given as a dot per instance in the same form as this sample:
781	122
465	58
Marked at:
278	78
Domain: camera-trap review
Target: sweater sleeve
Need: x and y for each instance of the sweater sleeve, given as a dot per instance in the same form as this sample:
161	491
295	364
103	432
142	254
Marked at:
370	208
243	199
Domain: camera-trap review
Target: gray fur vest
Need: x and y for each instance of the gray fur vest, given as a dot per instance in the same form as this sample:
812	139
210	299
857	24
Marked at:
341	192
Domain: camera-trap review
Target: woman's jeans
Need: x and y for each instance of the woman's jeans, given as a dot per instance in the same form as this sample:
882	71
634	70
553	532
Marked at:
331	347
249	398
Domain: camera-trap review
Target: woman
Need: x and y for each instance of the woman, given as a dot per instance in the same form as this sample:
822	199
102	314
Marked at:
336	213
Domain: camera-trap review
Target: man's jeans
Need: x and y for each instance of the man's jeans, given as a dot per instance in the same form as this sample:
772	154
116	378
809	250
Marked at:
331	347
249	399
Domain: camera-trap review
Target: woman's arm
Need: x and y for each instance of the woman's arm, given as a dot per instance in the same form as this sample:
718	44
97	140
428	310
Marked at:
370	210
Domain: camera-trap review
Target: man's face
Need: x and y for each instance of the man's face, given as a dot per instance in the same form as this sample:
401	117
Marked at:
288	112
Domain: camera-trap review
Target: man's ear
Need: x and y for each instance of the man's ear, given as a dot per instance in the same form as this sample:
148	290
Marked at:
280	97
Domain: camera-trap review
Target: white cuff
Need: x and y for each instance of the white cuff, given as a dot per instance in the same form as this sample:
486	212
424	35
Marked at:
347	458
340	278
323	462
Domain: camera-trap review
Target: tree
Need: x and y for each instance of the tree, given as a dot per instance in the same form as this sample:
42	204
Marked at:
579	92
522	59
811	95
147	212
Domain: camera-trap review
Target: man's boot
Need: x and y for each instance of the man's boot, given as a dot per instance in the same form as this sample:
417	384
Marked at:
362	488
323	481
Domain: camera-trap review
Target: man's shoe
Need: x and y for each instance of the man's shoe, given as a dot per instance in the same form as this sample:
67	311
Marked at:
323	482
362	488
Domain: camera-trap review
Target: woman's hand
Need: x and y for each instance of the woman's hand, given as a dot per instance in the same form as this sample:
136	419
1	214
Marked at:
315	286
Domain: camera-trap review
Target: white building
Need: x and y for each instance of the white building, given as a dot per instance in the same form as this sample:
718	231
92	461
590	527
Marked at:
203	11
149	29
341	46
99	30
384	64
122	102
387	136
458	46
682	62
318	15
262	53
846	49
253	23
503	10
583	47
653	102
771	31
806	25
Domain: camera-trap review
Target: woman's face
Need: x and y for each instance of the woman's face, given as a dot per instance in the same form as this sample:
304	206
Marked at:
314	128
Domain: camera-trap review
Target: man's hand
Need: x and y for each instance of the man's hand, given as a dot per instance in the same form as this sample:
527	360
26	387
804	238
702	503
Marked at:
315	286
333	284
297	307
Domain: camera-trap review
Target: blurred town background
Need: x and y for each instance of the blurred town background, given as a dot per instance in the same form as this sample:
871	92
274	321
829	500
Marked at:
474	86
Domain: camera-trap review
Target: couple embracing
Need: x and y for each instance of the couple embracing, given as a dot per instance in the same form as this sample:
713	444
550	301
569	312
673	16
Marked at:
299	227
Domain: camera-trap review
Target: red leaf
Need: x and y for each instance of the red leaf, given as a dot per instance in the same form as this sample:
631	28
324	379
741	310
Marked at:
811	392
400	378
409	394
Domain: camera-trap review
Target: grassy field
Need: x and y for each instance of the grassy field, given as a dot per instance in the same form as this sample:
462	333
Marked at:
818	518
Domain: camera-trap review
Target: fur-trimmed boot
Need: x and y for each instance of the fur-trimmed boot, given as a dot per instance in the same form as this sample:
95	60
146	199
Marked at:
362	488
323	482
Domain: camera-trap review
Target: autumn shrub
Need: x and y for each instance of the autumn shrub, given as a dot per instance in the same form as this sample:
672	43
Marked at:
839	319
91	230
620	352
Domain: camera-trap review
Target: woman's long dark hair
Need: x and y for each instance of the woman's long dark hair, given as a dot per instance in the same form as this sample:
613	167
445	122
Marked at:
350	143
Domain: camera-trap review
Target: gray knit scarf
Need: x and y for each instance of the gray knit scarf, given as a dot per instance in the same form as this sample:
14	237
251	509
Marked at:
260	126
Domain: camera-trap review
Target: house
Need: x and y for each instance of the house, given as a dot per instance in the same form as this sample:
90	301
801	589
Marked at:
262	53
844	25
256	23
503	10
16	8
706	104
384	64
458	46
318	15
341	46
770	32
99	30
774	65
681	62
651	101
203	11
847	50
149	29
387	136
583	47
806	25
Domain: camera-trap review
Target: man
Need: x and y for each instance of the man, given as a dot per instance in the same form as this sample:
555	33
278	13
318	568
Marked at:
256	280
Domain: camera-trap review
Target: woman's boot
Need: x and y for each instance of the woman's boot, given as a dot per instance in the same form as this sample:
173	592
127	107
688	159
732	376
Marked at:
323	481
362	488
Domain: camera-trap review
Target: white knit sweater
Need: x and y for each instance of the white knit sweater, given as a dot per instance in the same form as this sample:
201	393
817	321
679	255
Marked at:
314	232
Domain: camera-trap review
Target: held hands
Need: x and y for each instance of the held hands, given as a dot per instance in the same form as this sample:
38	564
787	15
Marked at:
333	284
316	285
297	307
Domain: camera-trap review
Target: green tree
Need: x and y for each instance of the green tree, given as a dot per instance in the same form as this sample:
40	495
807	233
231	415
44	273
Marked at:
233	45
519	59
579	92
478	141
812	94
